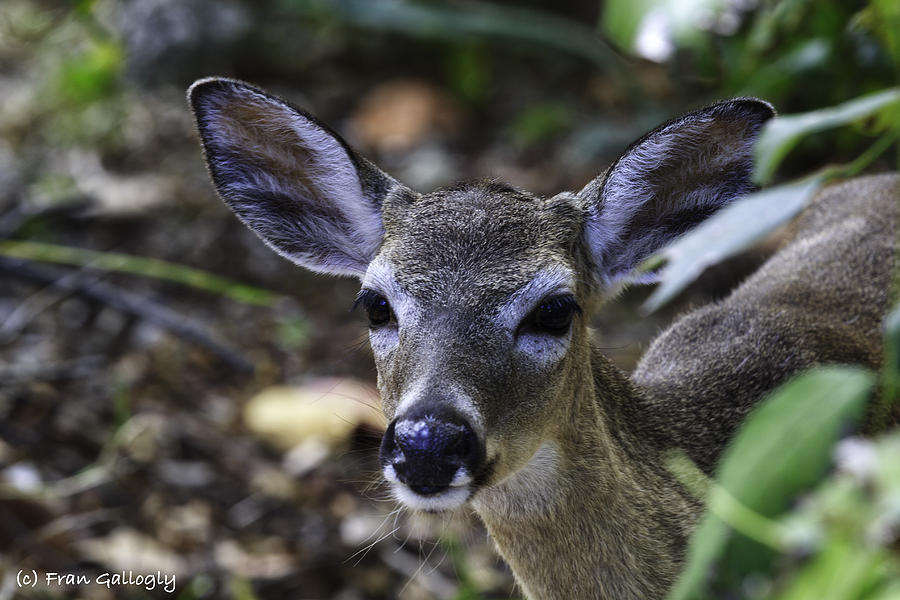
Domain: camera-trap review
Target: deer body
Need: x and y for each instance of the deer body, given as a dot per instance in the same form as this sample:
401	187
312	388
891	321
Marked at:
821	299
479	297
626	524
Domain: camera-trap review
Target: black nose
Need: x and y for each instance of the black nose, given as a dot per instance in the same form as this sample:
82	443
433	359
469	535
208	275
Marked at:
428	448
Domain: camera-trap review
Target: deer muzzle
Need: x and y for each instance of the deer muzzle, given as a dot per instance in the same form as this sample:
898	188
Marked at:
432	456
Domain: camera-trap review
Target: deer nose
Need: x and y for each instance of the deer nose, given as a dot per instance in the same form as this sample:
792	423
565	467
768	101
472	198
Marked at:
432	450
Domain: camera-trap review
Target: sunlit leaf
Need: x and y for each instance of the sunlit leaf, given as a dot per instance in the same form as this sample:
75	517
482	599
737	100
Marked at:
731	230
782	448
621	19
651	28
782	133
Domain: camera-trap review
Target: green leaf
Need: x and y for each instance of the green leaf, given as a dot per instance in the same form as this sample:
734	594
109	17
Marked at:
890	376
782	448
641	25
621	19
782	133
842	571
734	228
137	265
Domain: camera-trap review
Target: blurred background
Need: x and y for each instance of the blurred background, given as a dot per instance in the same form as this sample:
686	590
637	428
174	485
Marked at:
176	398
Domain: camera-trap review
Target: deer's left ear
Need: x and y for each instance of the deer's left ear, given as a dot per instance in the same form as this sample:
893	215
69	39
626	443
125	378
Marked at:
669	181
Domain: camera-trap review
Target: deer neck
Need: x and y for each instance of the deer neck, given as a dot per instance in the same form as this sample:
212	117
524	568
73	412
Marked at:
593	487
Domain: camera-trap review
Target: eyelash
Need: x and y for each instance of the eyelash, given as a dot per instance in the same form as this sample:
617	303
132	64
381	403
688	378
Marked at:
553	316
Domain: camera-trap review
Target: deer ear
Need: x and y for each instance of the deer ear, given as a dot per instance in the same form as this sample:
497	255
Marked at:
668	181
289	178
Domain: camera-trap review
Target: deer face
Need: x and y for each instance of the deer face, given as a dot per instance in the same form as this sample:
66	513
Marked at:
474	304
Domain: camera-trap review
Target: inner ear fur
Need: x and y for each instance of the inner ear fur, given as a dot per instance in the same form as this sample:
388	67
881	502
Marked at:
670	180
290	178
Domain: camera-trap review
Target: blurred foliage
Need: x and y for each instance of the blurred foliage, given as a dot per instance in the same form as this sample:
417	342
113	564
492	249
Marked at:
797	54
87	90
461	20
841	540
782	449
537	123
830	32
79	66
789	51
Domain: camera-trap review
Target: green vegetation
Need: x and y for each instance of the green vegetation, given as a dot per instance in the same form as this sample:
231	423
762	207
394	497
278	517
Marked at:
840	540
774	528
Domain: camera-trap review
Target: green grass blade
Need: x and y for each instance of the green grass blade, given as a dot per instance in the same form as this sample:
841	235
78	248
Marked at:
137	265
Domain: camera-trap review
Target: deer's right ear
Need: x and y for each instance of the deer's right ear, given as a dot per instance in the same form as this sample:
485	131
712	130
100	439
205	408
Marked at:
289	178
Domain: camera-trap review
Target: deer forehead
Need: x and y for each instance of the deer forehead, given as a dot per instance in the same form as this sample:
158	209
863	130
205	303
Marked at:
477	244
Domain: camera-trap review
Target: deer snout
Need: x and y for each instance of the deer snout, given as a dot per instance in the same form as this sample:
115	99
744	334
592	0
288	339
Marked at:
431	452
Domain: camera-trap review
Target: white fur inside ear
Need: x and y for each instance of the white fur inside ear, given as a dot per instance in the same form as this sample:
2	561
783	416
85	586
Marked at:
668	182
625	191
258	148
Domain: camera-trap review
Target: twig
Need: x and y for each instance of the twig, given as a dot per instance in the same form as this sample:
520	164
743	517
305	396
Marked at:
130	303
40	301
65	369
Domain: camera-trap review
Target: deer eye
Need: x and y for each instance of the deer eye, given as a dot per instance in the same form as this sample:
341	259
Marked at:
554	315
377	308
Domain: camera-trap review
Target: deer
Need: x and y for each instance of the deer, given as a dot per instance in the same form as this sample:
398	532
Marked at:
479	298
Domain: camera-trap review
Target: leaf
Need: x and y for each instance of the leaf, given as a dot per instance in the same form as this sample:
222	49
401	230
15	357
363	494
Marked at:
782	448
782	133
652	28
731	230
890	377
327	409
621	19
842	571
